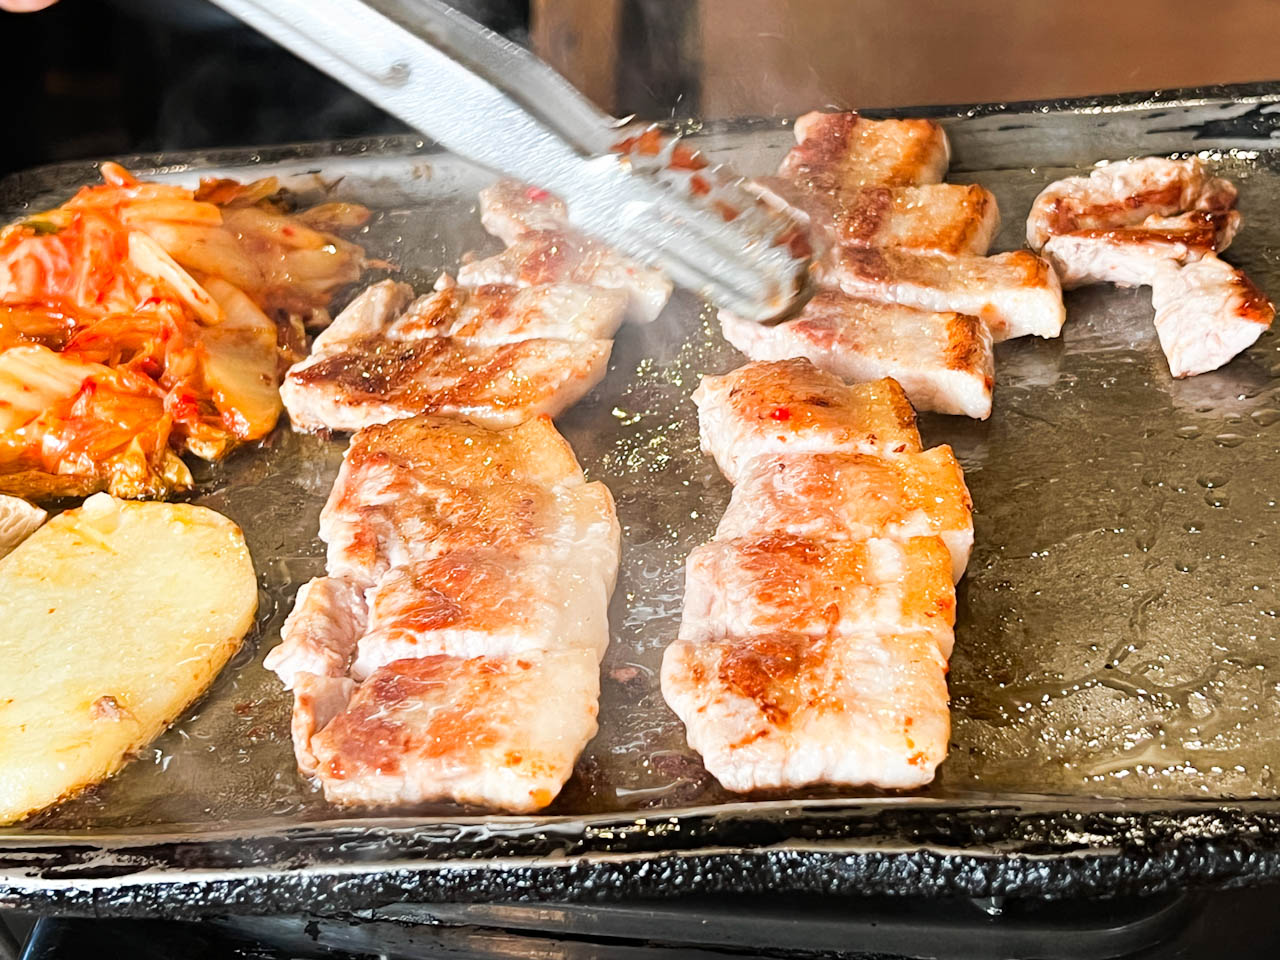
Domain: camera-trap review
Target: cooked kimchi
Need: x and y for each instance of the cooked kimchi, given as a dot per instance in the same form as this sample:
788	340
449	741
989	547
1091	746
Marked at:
141	321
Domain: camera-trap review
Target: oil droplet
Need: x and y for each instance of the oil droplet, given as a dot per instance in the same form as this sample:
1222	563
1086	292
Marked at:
1184	566
1192	527
1188	433
1228	439
1265	418
1212	480
1216	500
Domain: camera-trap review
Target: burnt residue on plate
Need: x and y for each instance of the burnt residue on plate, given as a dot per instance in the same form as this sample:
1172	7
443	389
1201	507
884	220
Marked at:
1116	652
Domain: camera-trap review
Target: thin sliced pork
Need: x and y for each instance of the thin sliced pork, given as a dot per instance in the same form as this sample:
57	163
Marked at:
1016	294
1206	313
790	406
784	710
943	361
852	496
797	585
841	151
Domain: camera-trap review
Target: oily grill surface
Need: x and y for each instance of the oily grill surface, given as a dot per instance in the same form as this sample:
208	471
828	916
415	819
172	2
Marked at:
1117	628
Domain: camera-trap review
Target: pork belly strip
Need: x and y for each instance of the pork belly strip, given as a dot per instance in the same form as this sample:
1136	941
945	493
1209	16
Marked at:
1135	256
412	489
470	573
1015	294
1123	194
790	406
783	710
540	257
843	151
509	209
852	496
948	218
495	731
943	361
776	583
499	313
376	380
1206	313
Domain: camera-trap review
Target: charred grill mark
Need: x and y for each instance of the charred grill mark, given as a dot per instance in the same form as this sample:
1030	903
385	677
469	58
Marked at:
863	213
964	342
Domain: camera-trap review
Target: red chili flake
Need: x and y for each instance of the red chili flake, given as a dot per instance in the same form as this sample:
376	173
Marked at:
699	185
536	194
686	158
287	231
781	413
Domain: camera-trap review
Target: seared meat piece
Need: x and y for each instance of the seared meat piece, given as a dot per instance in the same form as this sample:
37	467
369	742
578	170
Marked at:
795	585
483	602
1206	313
790	406
469	580
1016	294
412	489
841	151
935	218
369	368
492	731
564	256
1123	194
943	361
1134	256
852	496
782	710
498	313
509	209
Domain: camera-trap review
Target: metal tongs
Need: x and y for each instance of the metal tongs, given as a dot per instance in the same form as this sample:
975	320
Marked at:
492	102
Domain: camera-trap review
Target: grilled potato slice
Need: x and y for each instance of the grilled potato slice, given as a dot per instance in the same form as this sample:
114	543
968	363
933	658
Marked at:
116	617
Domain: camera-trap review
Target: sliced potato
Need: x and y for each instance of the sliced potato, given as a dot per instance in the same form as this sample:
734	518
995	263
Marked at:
116	617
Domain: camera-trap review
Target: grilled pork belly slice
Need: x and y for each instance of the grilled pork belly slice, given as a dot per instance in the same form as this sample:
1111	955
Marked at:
499	313
493	731
943	361
935	218
783	584
1123	194
851	497
540	257
509	209
378	379
319	636
1135	256
784	710
843	151
790	406
1016	294
414	489
483	602
1206	313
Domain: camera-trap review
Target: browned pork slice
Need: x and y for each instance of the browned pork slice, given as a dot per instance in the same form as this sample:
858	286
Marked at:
410	490
509	209
1016	294
373	365
499	731
777	583
790	406
843	151
935	218
943	361
787	710
1206	313
852	496
498	313
541	257
1123	194
1135	256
